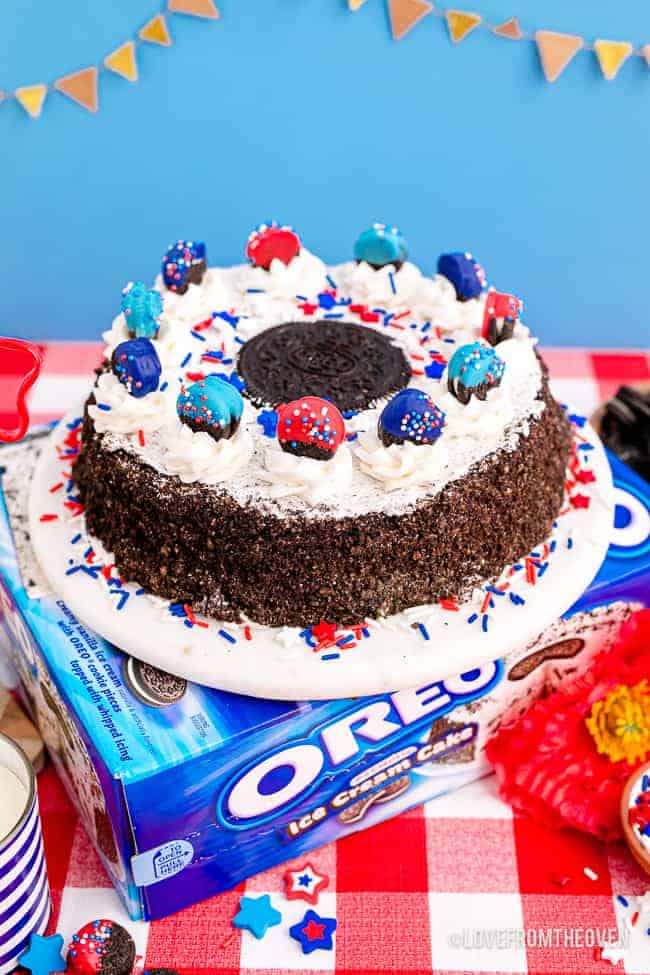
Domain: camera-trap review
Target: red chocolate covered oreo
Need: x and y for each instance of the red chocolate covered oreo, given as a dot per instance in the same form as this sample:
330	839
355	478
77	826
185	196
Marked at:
310	427
271	242
103	947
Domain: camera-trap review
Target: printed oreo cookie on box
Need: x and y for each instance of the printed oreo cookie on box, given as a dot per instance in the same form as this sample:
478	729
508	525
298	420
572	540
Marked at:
187	791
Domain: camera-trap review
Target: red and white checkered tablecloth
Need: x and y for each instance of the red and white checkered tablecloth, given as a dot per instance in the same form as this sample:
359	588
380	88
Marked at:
458	885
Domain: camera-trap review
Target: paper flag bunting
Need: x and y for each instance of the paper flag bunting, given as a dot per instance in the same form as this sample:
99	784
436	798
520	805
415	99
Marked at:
461	23
155	31
196	8
611	55
405	14
555	51
31	97
509	28
355	4
122	61
81	87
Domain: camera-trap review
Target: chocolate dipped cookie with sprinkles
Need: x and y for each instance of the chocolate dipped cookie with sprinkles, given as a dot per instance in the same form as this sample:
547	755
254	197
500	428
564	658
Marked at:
101	947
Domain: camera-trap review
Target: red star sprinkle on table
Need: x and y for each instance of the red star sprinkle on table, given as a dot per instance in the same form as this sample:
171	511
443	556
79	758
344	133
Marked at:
304	883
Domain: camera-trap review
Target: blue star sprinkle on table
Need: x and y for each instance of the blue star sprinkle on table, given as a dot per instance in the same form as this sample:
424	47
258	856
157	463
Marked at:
314	932
43	955
257	915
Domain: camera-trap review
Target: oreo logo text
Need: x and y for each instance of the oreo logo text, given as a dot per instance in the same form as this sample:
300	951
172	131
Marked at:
274	783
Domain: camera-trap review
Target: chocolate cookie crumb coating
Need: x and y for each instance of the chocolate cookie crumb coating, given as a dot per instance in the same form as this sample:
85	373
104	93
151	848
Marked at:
350	364
198	545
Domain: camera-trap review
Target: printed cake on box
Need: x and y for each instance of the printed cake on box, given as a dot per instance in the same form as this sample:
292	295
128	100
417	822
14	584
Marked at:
186	791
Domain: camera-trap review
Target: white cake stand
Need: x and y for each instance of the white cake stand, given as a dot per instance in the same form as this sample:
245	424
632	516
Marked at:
416	647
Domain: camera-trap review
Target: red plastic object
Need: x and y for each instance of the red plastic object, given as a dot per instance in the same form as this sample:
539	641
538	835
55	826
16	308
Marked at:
22	362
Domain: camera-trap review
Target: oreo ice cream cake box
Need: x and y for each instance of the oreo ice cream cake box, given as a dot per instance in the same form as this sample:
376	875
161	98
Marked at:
187	791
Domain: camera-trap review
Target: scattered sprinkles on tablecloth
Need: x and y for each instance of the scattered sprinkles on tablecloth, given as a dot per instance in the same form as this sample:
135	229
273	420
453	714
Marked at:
634	914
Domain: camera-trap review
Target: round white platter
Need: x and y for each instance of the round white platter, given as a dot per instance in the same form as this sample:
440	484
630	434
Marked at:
416	647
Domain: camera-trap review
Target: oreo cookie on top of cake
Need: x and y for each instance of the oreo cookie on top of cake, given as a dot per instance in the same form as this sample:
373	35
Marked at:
287	442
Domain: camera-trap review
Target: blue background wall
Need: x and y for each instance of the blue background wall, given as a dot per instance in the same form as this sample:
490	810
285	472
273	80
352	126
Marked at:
299	109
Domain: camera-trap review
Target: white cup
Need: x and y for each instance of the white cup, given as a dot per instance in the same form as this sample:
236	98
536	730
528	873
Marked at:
25	904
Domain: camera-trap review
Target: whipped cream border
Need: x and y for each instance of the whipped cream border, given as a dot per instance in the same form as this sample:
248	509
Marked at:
420	314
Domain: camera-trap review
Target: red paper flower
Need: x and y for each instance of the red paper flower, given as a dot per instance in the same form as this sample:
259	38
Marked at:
547	762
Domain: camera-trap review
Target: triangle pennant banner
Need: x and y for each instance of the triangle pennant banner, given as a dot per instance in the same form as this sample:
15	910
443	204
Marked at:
122	61
81	87
155	31
31	97
405	14
461	23
555	51
509	28
195	8
611	55
355	4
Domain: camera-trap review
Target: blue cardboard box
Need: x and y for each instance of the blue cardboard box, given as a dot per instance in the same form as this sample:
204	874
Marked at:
187	791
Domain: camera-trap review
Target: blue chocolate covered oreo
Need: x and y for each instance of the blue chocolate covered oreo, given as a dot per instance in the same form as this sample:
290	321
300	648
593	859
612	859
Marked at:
410	415
211	405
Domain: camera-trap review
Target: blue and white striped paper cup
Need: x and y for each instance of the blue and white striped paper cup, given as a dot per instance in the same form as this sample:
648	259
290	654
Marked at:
25	904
